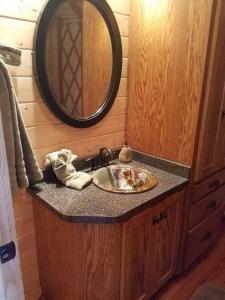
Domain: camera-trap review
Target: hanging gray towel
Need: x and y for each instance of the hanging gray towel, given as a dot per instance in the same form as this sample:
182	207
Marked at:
22	164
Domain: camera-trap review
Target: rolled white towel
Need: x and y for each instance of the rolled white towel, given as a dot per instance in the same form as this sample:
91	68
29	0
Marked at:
61	162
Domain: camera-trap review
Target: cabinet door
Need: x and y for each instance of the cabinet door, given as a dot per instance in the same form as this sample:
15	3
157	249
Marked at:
213	92
220	145
168	231
138	242
150	248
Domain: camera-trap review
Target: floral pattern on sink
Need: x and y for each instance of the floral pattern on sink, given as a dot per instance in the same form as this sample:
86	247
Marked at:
124	179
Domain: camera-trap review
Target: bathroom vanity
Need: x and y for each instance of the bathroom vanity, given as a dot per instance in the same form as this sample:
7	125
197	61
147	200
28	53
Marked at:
93	244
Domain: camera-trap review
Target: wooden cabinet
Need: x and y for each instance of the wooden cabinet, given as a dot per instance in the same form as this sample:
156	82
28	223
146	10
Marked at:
211	147
150	247
200	237
126	261
205	218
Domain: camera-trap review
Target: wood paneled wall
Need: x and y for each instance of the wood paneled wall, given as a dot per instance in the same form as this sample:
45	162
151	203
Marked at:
18	20
168	43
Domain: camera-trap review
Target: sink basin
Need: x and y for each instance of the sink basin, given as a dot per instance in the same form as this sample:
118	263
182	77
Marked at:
124	179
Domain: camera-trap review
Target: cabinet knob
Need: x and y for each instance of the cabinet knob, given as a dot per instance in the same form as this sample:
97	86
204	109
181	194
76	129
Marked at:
155	220
214	184
211	205
206	236
223	115
163	215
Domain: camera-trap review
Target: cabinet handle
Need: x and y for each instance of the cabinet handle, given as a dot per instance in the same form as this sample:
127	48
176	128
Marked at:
206	236
163	215
211	205
155	220
214	184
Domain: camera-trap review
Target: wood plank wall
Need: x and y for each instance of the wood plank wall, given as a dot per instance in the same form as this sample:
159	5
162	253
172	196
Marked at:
18	20
166	67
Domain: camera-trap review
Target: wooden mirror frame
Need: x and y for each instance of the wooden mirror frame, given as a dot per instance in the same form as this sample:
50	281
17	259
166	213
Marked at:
41	35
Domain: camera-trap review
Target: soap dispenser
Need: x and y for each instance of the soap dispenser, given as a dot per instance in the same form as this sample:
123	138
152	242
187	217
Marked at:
125	155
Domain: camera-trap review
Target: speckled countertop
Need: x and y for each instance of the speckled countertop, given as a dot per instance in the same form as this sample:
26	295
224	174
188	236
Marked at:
93	205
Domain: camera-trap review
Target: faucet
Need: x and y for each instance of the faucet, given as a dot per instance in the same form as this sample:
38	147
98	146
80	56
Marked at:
105	154
103	158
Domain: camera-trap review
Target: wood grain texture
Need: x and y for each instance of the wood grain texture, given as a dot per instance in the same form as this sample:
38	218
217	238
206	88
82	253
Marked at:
168	43
26	10
138	234
97	59
202	236
210	146
84	148
210	268
150	250
167	240
207	186
203	208
22	16
85	262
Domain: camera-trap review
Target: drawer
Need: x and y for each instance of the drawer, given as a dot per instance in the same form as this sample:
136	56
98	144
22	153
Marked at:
202	236
208	185
204	207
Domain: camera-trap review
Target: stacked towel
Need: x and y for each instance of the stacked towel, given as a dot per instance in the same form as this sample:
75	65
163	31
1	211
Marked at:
22	164
62	165
10	55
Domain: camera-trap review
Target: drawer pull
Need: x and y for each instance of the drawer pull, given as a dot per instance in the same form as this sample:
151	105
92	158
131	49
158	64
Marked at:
163	215
214	184
206	236
155	220
211	205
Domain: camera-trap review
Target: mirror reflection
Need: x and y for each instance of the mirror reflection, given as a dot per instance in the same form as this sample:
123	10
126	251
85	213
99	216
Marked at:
78	55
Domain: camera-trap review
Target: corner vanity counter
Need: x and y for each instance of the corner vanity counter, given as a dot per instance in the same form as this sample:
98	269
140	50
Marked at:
94	244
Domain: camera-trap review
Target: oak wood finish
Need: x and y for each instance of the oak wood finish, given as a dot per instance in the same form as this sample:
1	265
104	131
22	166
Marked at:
164	261
202	236
168	43
138	241
207	186
77	261
210	153
200	210
209	268
150	250
22	16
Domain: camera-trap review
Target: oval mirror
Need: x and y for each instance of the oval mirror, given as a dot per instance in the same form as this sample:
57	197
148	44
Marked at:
78	59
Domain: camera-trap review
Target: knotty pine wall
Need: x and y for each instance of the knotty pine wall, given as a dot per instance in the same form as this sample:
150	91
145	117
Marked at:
166	67
17	25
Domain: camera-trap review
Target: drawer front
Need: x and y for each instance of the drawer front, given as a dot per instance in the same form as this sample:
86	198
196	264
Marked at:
202	236
207	205
208	185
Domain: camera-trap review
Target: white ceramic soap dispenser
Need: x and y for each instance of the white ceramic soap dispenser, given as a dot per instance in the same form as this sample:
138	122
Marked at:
125	155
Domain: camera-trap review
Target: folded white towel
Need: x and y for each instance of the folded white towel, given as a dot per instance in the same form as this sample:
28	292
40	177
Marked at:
61	162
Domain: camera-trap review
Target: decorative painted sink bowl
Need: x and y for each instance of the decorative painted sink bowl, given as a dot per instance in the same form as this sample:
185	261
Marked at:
124	179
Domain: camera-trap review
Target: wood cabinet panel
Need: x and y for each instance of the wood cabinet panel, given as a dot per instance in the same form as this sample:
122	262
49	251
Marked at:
77	261
138	239
150	248
207	186
220	146
206	206
168	43
211	139
167	240
202	236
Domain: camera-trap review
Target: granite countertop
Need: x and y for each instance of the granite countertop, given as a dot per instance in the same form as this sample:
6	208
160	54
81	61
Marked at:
93	205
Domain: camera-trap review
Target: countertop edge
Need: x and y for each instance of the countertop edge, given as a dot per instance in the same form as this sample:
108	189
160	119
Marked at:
111	220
